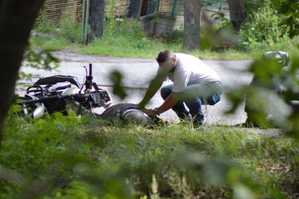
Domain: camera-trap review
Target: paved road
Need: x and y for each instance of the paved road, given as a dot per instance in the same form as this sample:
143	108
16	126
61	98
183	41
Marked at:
137	74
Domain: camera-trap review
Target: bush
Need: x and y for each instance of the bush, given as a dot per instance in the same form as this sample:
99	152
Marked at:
66	29
127	28
264	28
70	30
44	25
289	11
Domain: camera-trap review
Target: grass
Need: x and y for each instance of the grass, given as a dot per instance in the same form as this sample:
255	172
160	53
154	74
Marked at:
120	46
53	44
87	158
125	40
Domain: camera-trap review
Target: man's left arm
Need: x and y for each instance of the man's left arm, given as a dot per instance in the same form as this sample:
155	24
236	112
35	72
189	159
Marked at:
169	102
180	83
154	86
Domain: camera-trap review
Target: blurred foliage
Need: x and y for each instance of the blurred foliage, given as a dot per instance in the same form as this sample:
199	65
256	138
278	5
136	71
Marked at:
264	28
41	59
286	10
71	157
273	96
270	22
252	6
289	12
116	78
38	59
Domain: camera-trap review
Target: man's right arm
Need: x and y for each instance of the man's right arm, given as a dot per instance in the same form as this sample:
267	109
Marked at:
154	86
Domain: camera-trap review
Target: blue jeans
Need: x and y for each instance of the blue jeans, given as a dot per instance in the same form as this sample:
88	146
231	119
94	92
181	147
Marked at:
194	105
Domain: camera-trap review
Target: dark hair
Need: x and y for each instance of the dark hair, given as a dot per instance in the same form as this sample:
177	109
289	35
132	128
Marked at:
163	56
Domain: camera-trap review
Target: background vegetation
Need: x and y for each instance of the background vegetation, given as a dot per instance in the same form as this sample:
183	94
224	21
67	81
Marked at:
270	25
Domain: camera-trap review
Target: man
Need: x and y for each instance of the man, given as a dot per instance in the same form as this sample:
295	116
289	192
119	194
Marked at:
194	84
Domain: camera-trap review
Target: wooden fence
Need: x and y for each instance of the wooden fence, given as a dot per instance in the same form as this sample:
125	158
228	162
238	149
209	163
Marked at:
54	10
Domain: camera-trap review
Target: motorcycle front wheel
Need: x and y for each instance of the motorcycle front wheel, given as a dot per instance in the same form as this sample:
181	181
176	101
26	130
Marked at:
128	113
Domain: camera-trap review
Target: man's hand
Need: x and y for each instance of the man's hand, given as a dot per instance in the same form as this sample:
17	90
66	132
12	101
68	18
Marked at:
168	104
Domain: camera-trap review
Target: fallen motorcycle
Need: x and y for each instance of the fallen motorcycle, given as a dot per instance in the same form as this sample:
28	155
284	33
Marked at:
54	94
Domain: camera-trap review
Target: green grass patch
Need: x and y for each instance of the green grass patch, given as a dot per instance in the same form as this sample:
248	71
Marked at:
121	46
70	157
55	43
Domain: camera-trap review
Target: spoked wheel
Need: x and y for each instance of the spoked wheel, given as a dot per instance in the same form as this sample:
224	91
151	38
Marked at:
128	113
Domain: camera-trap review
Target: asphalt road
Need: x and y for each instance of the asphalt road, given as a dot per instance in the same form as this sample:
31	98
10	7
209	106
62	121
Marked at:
137	74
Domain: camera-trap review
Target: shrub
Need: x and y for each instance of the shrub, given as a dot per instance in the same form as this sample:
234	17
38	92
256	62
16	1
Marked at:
69	29
289	11
264	28
44	25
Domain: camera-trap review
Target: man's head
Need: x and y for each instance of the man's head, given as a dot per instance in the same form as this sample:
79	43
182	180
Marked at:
166	59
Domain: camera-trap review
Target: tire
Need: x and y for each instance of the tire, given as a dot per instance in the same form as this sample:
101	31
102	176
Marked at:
128	113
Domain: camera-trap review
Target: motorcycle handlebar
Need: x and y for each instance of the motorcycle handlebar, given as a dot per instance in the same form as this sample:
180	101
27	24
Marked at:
90	70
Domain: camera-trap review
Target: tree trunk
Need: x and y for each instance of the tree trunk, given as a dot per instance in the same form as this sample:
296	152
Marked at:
16	21
143	9
192	10
133	8
237	13
96	19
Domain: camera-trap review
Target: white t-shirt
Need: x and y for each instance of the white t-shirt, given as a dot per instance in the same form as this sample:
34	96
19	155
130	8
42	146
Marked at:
190	68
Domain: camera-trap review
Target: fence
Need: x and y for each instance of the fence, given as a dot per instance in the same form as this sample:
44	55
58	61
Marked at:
54	10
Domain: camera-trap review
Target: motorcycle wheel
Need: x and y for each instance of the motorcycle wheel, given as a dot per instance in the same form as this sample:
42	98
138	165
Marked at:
128	113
